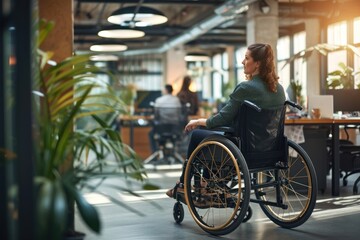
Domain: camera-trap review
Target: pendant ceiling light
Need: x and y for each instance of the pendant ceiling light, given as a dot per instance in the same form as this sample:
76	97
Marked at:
117	32
137	16
108	47
104	58
196	57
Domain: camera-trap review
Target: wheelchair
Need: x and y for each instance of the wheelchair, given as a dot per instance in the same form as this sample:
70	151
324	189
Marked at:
253	162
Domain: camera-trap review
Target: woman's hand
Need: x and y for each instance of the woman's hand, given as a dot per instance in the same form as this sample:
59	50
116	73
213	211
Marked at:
195	123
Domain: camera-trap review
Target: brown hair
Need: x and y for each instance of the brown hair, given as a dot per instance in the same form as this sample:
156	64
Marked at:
186	83
264	54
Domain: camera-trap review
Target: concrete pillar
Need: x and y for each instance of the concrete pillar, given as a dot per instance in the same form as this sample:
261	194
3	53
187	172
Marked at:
60	40
263	27
312	28
175	67
231	59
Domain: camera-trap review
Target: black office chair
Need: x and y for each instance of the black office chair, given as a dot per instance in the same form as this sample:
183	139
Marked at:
349	159
168	126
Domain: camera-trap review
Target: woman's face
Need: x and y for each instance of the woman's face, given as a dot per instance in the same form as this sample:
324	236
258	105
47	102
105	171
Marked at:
250	66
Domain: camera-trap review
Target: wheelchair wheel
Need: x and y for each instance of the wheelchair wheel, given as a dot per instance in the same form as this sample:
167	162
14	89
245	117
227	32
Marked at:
248	215
297	190
217	185
178	212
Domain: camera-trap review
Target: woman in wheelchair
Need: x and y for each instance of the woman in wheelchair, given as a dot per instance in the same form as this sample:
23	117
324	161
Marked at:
261	88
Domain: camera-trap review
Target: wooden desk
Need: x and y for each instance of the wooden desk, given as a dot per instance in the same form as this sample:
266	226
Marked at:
335	125
140	145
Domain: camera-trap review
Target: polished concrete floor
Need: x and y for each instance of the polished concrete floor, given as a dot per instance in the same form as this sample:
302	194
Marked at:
151	217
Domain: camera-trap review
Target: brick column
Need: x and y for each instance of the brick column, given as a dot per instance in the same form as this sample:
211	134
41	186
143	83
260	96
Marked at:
60	40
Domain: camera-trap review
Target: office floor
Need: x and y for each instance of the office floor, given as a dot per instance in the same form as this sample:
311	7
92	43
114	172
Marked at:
333	217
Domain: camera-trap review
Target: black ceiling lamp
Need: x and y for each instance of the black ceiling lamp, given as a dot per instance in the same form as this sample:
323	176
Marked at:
135	16
104	58
108	47
264	7
121	32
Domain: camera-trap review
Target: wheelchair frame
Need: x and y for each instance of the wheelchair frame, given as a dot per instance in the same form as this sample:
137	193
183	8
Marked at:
218	186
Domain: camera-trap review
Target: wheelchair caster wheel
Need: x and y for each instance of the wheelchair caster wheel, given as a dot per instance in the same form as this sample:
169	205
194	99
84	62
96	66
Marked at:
247	215
345	183
178	212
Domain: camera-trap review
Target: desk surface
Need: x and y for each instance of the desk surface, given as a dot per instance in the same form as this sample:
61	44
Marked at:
295	121
304	121
147	117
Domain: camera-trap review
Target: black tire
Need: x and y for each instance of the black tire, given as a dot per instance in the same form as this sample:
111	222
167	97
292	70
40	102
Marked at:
178	212
248	215
298	189
217	185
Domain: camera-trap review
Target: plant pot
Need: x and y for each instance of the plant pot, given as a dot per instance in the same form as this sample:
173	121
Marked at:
74	235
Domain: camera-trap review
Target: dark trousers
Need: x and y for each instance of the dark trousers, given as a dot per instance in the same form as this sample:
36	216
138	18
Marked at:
196	137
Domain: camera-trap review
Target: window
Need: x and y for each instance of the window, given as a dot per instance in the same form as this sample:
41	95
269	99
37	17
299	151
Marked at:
239	56
294	71
283	54
300	69
346	62
356	30
217	76
337	35
356	35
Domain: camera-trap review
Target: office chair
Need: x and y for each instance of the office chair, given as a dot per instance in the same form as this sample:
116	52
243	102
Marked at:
349	159
168	126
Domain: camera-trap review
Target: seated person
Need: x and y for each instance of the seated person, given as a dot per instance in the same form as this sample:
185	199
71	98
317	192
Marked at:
171	104
186	96
262	88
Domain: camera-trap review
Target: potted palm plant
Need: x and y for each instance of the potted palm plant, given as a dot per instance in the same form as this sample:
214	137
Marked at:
67	157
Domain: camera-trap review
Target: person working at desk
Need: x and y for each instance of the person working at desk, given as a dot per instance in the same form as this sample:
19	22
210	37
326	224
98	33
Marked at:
187	96
168	106
262	88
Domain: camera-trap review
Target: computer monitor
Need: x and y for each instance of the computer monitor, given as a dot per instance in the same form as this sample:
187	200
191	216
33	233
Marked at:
322	102
144	99
345	100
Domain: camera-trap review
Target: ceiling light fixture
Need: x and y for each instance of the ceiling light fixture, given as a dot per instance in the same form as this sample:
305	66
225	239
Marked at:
121	33
137	16
104	58
196	57
108	47
264	7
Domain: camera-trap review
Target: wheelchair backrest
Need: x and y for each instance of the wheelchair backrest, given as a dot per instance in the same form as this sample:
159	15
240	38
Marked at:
261	133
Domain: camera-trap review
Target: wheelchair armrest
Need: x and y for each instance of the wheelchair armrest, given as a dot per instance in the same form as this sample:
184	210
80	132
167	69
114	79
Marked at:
293	104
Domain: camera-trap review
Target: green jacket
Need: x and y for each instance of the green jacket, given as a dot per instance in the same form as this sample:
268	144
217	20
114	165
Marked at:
254	90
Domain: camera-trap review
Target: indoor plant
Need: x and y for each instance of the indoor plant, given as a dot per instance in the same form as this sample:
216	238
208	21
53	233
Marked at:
67	158
342	78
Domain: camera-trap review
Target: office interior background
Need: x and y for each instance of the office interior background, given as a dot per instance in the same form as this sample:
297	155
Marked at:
311	39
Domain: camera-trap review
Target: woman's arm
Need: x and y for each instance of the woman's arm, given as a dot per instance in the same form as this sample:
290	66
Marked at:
195	123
